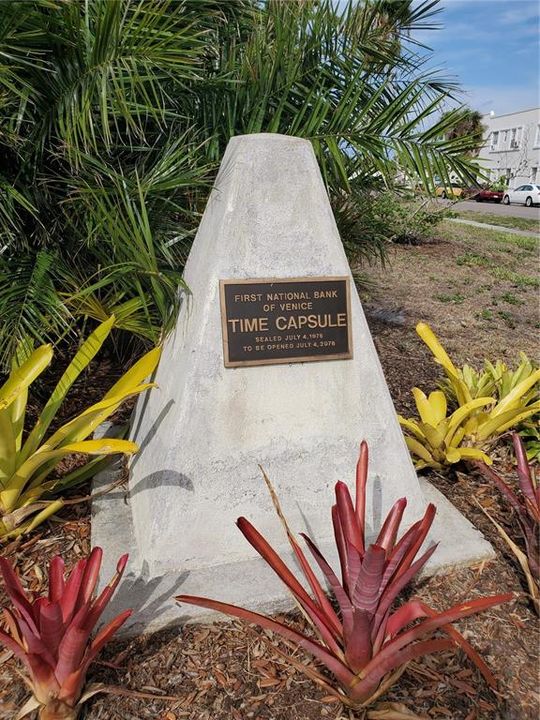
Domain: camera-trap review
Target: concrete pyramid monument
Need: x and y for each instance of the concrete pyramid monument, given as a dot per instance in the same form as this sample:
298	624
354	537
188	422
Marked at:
207	428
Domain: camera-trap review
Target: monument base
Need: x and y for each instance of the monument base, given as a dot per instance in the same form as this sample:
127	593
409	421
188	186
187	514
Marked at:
250	583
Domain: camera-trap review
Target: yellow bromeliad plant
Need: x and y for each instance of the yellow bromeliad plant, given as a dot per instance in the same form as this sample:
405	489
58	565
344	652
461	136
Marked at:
27	494
439	440
495	380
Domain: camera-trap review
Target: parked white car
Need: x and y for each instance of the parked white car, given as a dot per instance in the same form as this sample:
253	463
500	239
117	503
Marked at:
524	195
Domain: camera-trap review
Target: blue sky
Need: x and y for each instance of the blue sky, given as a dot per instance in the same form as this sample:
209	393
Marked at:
492	48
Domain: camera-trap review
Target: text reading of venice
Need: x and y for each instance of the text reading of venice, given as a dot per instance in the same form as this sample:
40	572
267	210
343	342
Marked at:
285	320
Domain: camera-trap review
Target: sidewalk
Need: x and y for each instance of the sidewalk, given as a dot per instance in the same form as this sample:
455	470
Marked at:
499	228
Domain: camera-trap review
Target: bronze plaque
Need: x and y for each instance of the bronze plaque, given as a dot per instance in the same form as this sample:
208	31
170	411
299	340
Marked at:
286	320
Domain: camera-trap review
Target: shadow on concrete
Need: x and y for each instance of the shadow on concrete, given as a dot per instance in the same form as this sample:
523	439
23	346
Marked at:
162	478
149	599
376	507
135	429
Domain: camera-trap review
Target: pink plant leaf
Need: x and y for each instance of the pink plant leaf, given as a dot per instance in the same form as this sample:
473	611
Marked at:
17	595
446	617
341	596
267	552
425	525
51	625
403	616
393	566
388	533
334	664
396	586
44	683
106	633
73	683
71	649
71	688
524	471
71	590
364	687
361	482
56	579
324	604
358	647
348	517
368	585
464	645
354	566
100	603
90	578
341	547
34	643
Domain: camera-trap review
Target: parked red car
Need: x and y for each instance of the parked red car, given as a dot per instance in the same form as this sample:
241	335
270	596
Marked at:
485	195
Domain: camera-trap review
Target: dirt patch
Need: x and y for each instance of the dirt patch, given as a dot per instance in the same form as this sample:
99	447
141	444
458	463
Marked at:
478	289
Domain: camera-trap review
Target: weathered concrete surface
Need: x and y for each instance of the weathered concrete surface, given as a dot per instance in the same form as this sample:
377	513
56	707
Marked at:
206	429
249	582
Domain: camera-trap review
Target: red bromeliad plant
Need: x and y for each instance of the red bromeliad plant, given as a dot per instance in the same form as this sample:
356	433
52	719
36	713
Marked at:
51	635
367	643
527	507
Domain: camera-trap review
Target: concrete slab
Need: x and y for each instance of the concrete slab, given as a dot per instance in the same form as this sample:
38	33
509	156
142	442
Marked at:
206	429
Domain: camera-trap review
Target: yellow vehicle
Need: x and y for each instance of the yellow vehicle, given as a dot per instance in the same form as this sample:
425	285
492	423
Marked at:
453	190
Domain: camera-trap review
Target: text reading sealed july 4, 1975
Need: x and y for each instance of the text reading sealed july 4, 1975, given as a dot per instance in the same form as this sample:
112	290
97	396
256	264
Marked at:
285	320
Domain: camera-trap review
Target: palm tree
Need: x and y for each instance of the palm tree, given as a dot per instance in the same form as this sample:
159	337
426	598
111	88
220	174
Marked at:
115	116
467	124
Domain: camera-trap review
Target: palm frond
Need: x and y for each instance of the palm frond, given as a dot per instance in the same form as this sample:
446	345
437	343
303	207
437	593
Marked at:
115	116
30	306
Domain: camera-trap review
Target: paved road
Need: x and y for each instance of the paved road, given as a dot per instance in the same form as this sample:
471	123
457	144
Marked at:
495	209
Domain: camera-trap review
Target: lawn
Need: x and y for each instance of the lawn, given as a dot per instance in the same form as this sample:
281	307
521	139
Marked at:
477	288
517	223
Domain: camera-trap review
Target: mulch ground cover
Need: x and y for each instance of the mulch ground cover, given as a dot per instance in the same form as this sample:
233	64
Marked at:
226	671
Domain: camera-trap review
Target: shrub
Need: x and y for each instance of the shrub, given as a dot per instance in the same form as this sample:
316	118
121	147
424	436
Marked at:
51	634
366	644
377	218
26	461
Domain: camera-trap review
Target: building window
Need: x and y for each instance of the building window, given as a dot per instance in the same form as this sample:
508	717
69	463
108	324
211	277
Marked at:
495	139
513	141
534	174
537	139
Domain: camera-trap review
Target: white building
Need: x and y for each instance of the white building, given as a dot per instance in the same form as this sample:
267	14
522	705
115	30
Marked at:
512	147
